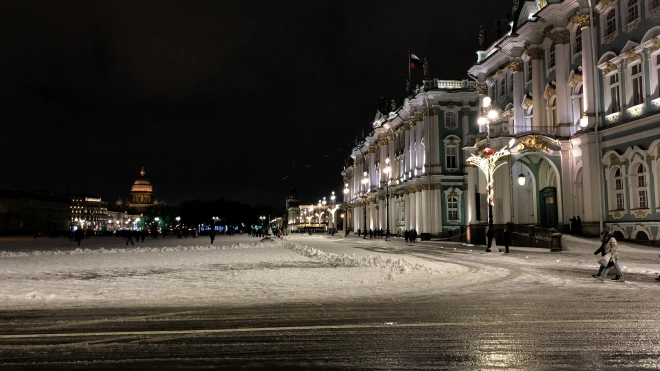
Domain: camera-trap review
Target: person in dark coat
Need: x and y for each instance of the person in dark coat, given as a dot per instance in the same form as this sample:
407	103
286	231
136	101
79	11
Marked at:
78	235
371	234
406	235
506	234
212	235
601	251
129	237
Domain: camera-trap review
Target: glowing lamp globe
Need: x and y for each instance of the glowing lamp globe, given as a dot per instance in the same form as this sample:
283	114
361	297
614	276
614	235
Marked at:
488	152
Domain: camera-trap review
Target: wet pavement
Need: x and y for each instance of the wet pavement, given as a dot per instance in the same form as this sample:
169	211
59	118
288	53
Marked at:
518	332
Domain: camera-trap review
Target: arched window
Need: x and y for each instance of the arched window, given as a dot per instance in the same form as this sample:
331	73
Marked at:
453	202
640	187
450	121
618	187
610	27
633	11
451	154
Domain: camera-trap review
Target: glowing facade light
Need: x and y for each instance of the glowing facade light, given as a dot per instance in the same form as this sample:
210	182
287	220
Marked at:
521	179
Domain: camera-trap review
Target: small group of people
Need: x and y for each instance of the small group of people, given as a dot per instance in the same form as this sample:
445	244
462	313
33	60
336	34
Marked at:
575	225
378	233
410	235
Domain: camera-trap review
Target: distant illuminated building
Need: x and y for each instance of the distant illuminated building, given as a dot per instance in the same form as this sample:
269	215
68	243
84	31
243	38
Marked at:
141	196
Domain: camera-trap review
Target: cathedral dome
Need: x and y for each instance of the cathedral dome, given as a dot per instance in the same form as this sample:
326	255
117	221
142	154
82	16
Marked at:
142	184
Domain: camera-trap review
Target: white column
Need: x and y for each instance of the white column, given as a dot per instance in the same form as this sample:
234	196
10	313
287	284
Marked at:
471	205
502	194
425	214
566	184
407	150
382	214
590	167
517	67
406	210
413	210
373	173
432	137
562	39
537	86
382	147
419	149
413	149
589	81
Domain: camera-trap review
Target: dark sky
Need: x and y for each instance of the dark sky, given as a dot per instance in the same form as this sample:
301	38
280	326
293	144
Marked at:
213	98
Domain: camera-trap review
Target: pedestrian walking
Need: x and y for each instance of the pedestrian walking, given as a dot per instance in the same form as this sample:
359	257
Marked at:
129	237
78	235
406	235
611	247
601	251
506	235
371	233
212	235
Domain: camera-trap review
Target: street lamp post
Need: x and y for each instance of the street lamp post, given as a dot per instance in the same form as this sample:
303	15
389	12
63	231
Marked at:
387	197
365	180
487	162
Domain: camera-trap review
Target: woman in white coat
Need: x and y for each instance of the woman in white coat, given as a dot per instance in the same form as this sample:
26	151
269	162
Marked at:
610	246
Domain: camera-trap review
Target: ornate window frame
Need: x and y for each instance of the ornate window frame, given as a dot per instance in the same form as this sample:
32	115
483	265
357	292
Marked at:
652	11
458	195
654	155
607	38
630	103
451	122
452	142
636	188
628	24
612	162
528	70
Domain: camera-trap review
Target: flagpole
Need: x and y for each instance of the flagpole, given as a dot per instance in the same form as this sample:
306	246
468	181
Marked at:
409	78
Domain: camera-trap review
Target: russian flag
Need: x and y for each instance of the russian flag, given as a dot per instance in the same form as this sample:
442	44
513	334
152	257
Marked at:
415	62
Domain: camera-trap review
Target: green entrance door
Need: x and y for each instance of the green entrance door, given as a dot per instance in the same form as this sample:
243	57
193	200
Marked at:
548	201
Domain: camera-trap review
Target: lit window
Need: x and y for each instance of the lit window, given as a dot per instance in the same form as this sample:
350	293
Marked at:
614	93
637	84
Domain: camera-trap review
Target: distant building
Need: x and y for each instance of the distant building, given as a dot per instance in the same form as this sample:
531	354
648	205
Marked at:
89	213
141	197
28	212
308	215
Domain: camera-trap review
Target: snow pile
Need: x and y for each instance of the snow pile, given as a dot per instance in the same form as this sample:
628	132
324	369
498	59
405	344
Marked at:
131	250
369	261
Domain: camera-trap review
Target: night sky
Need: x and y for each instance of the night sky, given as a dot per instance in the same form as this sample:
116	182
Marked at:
214	98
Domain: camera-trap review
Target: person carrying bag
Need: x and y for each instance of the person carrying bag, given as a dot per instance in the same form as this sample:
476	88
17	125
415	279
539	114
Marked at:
611	248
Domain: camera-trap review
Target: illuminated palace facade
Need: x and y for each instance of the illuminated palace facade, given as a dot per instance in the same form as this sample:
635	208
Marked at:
576	89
